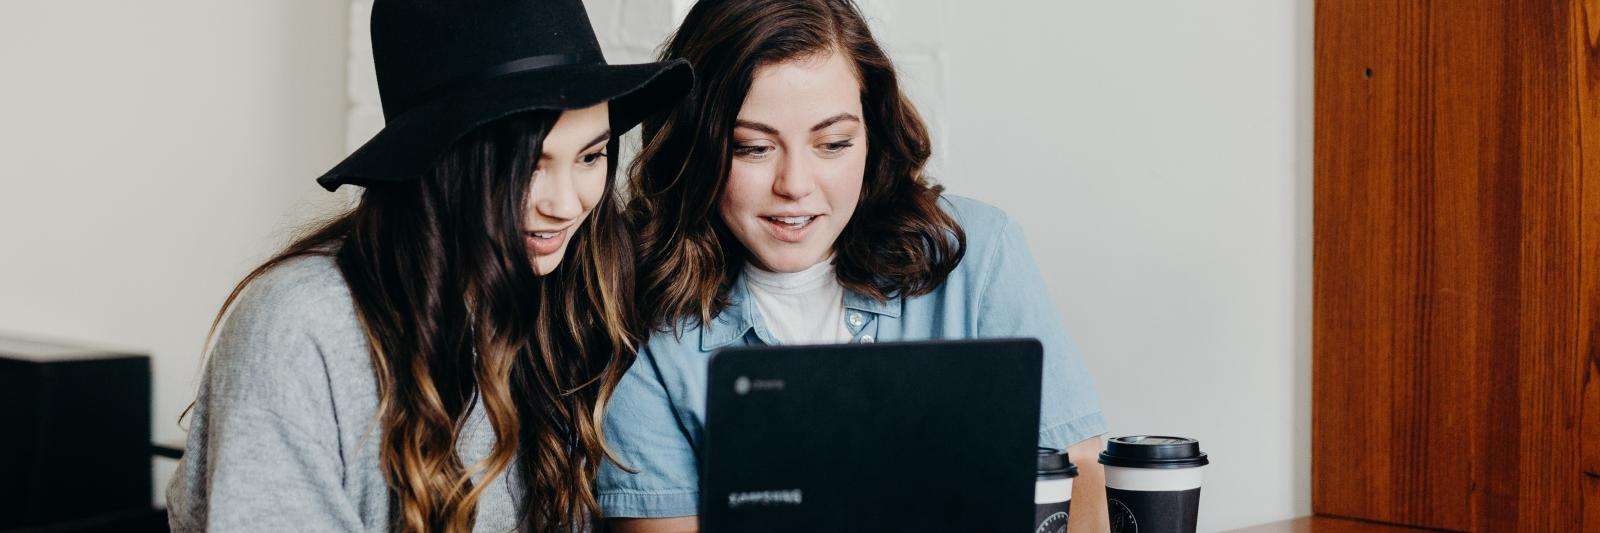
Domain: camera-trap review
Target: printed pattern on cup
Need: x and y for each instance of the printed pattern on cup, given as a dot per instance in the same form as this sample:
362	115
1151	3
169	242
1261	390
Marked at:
1140	511
1051	517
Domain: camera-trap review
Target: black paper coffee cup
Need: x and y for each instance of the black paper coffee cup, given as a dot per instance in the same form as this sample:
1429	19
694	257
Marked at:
1153	483
1052	491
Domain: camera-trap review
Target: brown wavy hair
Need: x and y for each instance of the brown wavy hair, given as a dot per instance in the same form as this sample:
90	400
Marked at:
899	242
455	314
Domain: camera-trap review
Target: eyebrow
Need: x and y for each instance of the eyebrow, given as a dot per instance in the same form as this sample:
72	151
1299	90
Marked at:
763	128
603	137
769	130
841	117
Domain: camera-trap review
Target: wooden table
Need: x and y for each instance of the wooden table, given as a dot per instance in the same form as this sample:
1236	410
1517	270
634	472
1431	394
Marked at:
1325	524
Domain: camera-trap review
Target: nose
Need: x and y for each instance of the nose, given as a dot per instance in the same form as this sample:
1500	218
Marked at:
794	179
554	195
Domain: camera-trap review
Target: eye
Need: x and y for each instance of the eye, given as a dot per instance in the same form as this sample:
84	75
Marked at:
836	147
592	159
751	151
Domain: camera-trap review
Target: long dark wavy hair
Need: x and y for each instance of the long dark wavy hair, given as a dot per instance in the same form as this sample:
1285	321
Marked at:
453	311
899	242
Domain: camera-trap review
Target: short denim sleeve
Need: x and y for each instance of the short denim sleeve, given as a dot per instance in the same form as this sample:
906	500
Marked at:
646	436
1013	302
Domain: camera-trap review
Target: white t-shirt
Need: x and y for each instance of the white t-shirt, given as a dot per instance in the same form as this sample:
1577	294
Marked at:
805	307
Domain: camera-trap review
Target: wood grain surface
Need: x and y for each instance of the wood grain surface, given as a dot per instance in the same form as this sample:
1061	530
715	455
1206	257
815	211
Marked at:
1455	292
1323	524
1586	50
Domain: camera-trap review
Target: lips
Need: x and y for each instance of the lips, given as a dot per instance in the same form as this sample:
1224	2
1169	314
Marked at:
545	242
793	221
790	228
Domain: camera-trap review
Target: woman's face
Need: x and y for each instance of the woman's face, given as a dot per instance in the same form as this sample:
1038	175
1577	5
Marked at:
569	181
799	157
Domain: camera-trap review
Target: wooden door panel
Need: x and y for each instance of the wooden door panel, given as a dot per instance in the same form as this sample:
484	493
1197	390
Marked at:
1453	315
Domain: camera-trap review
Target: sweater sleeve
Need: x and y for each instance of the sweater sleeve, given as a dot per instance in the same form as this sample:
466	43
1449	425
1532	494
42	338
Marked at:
263	451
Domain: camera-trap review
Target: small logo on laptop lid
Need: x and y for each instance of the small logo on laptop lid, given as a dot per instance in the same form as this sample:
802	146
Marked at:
765	498
744	385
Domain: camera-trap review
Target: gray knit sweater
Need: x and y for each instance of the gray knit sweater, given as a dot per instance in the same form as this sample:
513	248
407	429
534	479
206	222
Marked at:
284	436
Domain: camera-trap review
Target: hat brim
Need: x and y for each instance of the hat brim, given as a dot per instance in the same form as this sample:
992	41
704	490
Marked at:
408	144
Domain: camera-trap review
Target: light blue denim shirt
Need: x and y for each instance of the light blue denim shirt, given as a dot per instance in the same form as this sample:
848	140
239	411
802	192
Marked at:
654	421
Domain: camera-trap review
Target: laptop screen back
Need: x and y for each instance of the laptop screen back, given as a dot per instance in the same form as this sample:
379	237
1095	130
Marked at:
925	436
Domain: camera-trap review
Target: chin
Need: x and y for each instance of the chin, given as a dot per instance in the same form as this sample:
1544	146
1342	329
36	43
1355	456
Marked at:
792	262
543	266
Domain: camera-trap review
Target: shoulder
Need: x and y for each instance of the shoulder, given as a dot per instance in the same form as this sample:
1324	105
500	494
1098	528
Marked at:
974	216
286	320
295	288
299	294
989	231
681	336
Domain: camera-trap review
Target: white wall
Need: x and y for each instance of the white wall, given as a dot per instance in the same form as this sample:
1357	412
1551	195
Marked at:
150	154
1157	153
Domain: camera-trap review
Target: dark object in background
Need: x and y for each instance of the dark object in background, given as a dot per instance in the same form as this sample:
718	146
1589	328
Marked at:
74	436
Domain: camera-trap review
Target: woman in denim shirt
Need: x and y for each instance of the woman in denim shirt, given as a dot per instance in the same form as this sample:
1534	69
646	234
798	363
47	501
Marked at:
784	202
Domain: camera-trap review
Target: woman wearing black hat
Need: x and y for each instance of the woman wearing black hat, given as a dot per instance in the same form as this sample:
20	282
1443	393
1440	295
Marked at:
437	358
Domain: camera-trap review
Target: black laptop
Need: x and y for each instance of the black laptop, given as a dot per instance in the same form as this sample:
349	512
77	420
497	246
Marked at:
922	436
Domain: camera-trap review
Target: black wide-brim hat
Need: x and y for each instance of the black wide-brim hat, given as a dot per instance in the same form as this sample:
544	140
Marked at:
447	67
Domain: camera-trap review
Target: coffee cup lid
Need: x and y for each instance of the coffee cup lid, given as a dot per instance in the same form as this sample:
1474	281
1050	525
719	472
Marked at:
1153	451
1053	464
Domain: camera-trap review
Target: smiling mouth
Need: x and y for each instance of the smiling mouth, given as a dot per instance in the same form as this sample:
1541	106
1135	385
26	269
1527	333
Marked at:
792	222
545	242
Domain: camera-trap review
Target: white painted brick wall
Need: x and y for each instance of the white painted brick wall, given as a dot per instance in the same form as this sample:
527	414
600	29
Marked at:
631	31
365	116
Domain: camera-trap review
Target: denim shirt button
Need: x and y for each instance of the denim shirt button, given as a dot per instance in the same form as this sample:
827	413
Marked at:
856	320
866	339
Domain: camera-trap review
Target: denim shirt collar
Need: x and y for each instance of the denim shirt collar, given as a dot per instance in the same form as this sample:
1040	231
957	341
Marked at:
861	302
741	315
